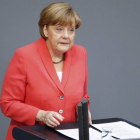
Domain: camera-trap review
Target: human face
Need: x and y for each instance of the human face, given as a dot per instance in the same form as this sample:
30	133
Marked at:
59	38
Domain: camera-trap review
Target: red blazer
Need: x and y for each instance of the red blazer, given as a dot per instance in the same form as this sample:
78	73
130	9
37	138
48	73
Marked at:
31	83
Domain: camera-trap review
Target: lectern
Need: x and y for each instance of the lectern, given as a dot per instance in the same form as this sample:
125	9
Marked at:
43	132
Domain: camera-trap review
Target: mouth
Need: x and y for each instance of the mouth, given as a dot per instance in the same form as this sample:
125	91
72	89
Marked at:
65	43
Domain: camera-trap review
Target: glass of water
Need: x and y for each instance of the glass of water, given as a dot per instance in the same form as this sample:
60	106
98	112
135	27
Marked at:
106	133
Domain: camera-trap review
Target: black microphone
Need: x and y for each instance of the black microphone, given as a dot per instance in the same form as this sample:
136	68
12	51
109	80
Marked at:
84	103
80	121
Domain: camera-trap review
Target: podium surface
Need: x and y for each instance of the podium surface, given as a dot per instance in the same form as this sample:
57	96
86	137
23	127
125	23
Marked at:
43	132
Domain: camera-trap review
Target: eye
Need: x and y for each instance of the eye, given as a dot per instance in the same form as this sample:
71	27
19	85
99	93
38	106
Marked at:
71	30
59	29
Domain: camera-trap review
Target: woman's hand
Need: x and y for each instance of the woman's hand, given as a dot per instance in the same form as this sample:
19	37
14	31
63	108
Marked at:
50	118
89	117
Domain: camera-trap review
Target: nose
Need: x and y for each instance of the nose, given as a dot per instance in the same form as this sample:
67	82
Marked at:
65	34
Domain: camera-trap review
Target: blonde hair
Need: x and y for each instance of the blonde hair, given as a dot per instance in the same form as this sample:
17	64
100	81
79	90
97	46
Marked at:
58	13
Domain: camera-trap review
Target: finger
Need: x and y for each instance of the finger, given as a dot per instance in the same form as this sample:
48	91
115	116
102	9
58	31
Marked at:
50	123
89	117
90	122
46	119
58	116
55	121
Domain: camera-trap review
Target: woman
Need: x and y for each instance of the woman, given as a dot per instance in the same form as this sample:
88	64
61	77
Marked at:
46	79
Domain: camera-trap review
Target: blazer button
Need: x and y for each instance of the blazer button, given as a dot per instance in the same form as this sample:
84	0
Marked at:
60	111
61	97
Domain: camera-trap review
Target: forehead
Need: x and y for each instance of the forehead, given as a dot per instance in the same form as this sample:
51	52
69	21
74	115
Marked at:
59	25
65	22
65	25
53	27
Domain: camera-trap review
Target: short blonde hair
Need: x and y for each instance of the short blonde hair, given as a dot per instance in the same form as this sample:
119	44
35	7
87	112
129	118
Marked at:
58	13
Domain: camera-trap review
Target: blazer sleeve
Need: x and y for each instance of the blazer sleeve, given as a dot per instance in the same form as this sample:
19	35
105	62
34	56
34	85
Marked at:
86	79
14	91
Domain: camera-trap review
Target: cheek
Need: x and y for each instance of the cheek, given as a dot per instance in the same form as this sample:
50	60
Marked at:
54	40
57	38
72	39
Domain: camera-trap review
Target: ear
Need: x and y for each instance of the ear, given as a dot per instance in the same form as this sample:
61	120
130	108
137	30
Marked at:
45	30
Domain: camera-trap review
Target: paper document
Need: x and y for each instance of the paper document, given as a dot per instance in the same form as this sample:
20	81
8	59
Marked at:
121	129
74	133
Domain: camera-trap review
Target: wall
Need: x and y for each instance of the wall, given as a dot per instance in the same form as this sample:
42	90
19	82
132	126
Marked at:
110	33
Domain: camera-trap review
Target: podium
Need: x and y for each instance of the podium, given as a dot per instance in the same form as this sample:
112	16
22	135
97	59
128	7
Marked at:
43	132
38	133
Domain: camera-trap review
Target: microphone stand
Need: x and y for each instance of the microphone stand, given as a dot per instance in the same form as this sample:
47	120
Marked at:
83	122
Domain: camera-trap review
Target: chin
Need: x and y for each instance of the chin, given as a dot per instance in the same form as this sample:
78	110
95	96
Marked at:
63	50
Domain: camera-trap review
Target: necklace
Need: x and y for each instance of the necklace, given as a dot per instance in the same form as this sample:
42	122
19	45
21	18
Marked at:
60	60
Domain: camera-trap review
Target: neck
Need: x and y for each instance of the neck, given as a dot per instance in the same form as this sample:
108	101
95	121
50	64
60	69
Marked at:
60	60
56	56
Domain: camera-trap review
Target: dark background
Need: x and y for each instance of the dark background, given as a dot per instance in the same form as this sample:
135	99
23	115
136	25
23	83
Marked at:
110	33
